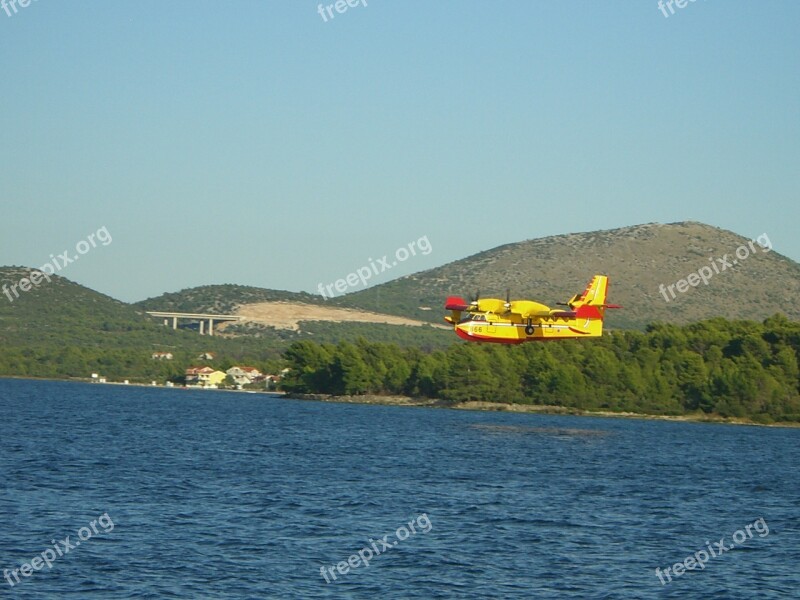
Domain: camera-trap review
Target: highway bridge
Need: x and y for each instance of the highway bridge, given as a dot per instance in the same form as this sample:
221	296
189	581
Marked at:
193	317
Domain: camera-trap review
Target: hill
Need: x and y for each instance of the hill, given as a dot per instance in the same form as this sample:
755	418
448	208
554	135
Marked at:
642	261
301	313
222	299
60	311
638	260
60	328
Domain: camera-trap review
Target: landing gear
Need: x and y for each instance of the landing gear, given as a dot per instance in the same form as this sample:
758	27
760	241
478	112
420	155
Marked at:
529	328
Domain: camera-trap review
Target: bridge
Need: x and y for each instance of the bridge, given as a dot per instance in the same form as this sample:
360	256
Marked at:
193	317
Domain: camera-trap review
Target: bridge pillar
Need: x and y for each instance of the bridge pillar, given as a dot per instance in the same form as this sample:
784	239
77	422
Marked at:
202	326
174	322
211	327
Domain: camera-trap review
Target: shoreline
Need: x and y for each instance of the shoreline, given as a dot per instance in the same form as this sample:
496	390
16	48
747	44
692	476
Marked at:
544	409
476	405
159	386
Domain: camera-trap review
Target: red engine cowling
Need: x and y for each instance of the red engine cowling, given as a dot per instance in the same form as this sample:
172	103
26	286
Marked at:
455	303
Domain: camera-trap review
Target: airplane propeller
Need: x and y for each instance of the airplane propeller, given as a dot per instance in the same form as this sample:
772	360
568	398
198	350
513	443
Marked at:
476	298
508	300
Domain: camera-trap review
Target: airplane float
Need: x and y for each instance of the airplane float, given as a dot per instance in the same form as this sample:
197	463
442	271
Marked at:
507	322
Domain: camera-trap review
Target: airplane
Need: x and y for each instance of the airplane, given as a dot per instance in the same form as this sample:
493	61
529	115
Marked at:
507	322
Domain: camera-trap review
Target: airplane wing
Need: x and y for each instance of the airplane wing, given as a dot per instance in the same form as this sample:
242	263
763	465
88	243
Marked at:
528	309
530	314
564	314
546	312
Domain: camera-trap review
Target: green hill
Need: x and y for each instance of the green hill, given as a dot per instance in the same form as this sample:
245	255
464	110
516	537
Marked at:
61	311
221	299
63	329
60	328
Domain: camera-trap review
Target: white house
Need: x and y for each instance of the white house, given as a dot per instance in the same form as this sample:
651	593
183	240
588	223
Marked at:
243	375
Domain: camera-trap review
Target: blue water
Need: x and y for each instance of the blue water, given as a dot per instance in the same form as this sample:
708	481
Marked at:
203	494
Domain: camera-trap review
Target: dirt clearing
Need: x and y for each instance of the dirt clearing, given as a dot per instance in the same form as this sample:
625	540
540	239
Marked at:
287	315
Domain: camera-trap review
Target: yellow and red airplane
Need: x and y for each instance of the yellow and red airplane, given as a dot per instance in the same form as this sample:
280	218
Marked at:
506	322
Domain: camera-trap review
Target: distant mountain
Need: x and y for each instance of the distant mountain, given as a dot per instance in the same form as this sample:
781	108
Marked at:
637	260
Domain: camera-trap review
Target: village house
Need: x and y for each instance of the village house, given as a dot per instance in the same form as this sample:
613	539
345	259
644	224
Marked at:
161	356
204	376
244	375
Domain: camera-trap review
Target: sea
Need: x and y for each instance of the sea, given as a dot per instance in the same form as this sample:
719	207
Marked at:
113	492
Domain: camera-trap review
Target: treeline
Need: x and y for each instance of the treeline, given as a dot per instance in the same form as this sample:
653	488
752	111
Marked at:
116	364
727	368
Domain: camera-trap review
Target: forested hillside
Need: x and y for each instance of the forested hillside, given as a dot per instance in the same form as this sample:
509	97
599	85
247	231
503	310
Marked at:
63	329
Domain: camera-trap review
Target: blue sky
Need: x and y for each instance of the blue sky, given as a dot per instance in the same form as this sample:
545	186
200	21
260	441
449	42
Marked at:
252	142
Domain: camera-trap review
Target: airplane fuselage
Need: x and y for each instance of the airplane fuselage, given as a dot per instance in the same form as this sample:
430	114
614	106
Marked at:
493	328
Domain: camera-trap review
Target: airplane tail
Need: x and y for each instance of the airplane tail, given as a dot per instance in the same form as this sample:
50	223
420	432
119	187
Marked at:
591	304
456	305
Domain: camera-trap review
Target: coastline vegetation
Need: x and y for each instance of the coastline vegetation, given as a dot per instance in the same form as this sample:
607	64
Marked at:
716	367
